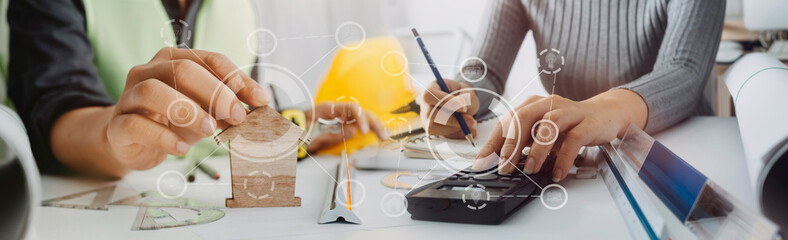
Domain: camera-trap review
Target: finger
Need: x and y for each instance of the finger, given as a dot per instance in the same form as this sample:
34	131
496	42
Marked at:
492	147
519	133
376	125
473	98
438	130
129	129
197	83
154	98
450	121
346	111
451	103
363	123
437	98
576	138
512	147
442	130
460	134
547	135
219	65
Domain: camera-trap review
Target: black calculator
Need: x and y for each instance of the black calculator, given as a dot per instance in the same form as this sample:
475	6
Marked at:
479	197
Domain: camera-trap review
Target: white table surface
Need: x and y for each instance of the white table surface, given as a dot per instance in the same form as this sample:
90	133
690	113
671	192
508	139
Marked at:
710	144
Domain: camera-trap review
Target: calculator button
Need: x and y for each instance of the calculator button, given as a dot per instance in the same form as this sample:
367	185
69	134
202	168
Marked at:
453	177
485	177
465	178
505	175
505	178
516	179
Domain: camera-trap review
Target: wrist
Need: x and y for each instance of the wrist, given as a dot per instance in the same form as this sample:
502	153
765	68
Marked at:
79	141
624	106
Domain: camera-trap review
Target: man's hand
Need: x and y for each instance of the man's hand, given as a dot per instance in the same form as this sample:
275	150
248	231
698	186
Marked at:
465	102
167	105
353	118
594	121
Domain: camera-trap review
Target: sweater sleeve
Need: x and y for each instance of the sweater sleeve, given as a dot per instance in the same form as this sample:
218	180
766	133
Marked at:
497	44
51	70
673	89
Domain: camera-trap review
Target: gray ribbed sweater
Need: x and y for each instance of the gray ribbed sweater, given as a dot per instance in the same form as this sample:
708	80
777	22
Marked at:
662	49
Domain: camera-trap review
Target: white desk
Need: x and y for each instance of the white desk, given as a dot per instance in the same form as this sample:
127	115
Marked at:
711	144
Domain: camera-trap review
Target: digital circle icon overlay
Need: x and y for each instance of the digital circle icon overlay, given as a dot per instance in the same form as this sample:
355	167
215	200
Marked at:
171	184
291	92
260	182
544	132
394	63
550	61
181	112
262	42
350	35
474	195
345	98
356	188
452	156
178	26
474	69
554	196
394	204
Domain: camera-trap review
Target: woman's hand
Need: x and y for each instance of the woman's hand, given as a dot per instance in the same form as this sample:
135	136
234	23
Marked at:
167	105
595	121
465	102
353	118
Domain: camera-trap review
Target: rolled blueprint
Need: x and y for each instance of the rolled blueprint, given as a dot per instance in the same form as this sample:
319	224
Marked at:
21	183
759	86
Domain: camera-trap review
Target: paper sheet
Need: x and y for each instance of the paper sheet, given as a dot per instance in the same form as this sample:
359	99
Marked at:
759	86
448	148
373	207
16	147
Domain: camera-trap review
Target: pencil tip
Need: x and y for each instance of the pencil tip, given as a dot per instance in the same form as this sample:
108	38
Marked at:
469	137
415	33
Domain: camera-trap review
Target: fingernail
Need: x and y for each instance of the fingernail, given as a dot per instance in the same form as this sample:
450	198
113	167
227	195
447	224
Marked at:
529	166
238	113
260	95
482	163
182	147
207	126
557	174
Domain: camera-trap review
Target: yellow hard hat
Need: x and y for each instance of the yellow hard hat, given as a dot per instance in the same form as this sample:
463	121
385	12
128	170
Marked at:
376	76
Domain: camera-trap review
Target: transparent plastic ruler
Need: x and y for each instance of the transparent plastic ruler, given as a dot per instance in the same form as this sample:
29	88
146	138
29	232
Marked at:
101	196
640	215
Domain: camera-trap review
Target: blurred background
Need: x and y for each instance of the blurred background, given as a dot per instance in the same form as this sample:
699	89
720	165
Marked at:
448	27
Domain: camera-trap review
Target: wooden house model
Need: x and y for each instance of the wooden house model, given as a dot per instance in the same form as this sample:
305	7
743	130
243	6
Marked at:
263	157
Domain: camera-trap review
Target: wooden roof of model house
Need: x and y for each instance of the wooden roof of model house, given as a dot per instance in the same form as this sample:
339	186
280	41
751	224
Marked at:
264	125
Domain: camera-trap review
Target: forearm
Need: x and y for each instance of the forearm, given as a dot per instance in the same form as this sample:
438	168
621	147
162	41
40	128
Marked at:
625	105
79	141
501	33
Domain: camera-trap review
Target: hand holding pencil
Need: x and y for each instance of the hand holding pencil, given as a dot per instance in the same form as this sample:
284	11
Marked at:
443	91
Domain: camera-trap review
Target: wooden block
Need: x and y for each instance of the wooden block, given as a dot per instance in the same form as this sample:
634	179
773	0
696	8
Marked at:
263	157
